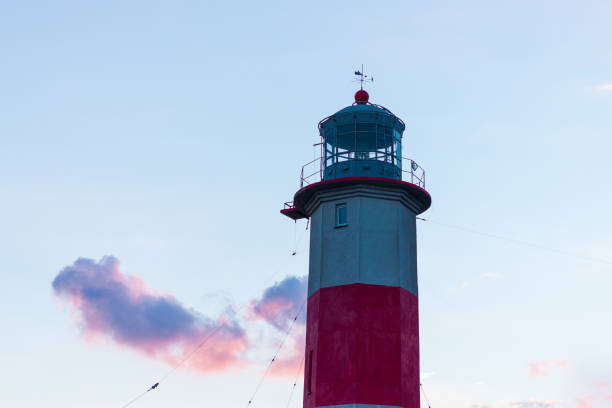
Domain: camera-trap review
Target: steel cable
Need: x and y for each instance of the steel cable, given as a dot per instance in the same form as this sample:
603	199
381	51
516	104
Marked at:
295	383
280	346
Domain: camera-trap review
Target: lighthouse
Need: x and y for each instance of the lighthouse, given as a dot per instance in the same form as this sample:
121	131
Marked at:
362	198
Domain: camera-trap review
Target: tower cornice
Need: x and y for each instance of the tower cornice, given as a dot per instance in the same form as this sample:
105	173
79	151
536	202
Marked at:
307	199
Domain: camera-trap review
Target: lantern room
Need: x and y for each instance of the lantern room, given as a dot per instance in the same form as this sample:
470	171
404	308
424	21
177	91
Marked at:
362	140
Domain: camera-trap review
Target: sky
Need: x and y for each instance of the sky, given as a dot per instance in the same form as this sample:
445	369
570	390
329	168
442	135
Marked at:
146	149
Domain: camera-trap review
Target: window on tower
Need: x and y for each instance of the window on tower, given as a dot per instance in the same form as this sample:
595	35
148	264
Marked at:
341	215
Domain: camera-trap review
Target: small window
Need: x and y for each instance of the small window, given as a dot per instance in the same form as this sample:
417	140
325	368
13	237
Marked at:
341	215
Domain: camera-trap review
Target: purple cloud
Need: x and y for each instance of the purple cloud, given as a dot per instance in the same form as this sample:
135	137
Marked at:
281	302
121	307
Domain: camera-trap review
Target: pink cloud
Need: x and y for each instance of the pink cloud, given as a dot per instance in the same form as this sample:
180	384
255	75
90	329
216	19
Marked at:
115	306
605	87
544	368
287	364
594	400
279	305
533	403
602	398
601	384
281	302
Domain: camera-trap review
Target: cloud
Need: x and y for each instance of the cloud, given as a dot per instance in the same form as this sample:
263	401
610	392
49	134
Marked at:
426	375
113	305
109	304
491	275
288	365
601	384
533	403
281	302
604	87
278	306
544	368
599	399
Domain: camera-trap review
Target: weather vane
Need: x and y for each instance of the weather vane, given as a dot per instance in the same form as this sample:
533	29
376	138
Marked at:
363	77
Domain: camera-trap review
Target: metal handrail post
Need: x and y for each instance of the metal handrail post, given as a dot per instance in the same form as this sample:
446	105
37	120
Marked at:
302	178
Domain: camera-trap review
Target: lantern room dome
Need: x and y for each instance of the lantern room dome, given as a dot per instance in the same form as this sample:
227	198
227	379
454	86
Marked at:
365	107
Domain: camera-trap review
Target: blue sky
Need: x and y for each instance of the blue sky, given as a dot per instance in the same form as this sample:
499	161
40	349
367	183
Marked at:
168	134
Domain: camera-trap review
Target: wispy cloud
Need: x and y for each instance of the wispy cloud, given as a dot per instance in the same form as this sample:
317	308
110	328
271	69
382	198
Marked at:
544	368
594	400
427	374
602	384
289	363
604	87
279	306
491	275
601	398
533	403
526	403
462	285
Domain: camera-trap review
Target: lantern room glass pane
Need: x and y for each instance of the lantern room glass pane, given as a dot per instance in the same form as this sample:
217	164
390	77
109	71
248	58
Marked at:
362	137
398	147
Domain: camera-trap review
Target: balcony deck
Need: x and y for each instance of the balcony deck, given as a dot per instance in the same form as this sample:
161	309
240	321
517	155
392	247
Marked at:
312	179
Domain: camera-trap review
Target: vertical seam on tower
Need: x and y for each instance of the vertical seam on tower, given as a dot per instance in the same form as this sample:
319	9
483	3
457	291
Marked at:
359	223
397	244
416	255
359	280
320	238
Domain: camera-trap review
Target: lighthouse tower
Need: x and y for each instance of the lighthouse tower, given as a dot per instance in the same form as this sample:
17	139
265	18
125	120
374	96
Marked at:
362	198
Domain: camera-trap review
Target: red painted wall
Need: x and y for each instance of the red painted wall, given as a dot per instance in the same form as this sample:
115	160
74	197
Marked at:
365	347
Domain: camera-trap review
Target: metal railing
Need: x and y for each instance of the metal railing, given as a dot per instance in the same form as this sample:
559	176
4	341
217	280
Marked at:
415	173
312	172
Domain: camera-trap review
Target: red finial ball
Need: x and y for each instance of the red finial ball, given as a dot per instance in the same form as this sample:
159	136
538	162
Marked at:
361	97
